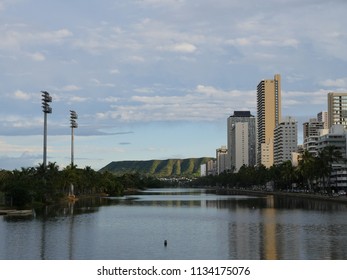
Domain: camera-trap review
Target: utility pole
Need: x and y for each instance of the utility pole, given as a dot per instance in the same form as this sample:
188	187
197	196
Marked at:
73	124
46	98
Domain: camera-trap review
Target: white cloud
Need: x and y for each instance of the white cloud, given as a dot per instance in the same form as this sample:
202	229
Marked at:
21	95
253	40
180	47
204	103
144	90
136	58
71	88
337	83
78	99
37	56
5	3
184	47
96	82
19	37
114	71
109	99
18	121
170	3
240	41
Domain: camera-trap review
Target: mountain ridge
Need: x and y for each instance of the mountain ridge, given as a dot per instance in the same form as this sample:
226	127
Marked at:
160	168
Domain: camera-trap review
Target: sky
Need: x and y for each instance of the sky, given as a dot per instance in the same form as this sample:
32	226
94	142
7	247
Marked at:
157	79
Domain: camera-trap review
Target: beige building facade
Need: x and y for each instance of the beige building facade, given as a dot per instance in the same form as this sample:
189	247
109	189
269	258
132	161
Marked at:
285	141
268	117
337	109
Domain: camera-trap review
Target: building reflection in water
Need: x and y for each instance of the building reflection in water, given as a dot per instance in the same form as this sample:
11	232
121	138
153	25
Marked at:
267	231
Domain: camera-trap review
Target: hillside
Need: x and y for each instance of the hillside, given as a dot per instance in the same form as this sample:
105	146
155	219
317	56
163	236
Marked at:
160	168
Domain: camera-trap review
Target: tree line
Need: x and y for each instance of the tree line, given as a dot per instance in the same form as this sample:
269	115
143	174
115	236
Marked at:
40	186
312	174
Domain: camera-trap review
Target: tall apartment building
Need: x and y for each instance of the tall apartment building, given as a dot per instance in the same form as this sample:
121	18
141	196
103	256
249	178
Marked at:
311	132
337	109
285	140
323	117
269	116
241	139
222	161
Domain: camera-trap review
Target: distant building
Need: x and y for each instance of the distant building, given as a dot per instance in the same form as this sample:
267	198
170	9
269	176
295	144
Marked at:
268	117
337	109
241	140
222	159
311	132
203	170
336	137
211	167
323	117
285	140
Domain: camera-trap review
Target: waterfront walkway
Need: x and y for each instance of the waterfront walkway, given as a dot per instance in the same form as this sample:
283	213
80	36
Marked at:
232	191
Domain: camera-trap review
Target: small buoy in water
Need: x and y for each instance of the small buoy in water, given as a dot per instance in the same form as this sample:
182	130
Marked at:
165	243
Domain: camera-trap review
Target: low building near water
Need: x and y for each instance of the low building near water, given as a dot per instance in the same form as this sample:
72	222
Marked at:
336	137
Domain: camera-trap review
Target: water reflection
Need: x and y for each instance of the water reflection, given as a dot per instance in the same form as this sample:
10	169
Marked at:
197	225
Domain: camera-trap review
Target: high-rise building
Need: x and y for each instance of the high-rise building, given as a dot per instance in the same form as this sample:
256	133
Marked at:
269	116
285	140
311	132
222	159
323	117
241	140
337	109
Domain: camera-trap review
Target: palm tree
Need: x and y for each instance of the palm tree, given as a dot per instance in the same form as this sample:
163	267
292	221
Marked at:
288	173
326	157
306	168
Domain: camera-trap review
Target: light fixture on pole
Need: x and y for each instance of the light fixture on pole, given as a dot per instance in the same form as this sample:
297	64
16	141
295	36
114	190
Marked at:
73	124
46	98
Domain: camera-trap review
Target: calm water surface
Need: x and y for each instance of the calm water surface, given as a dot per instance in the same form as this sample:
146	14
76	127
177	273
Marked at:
195	224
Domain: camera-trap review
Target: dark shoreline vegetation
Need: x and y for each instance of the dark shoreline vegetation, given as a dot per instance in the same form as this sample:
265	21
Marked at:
37	186
311	175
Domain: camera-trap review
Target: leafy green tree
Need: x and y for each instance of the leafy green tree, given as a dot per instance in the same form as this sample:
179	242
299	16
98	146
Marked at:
307	169
288	174
326	157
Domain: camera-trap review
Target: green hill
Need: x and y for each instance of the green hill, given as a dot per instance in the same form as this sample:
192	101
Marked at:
160	168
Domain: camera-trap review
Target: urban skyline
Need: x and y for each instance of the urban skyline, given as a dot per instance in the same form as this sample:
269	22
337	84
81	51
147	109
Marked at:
157	79
276	137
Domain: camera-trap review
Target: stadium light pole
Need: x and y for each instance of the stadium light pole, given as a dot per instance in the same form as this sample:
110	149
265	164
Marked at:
46	98
73	124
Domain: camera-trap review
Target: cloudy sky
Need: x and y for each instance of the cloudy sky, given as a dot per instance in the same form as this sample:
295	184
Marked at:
157	79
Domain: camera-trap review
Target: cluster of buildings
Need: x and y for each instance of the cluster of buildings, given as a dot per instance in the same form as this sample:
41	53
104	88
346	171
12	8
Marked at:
269	139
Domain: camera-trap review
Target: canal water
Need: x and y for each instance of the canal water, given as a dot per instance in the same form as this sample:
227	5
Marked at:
196	225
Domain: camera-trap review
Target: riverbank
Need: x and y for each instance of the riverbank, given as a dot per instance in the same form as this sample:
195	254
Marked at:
15	212
227	191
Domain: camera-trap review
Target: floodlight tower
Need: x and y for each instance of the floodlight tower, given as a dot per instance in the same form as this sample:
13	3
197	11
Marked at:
73	124
46	98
